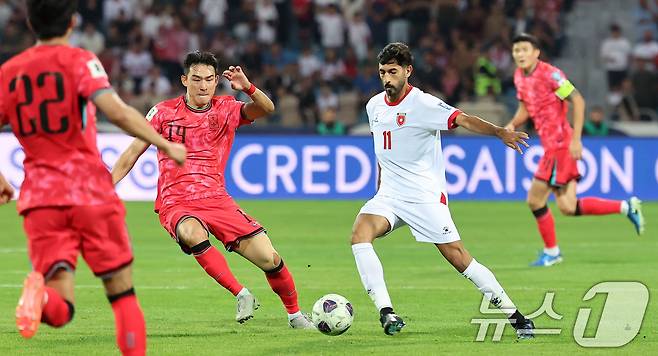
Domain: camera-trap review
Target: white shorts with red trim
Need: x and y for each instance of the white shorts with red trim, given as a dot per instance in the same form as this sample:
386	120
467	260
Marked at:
429	222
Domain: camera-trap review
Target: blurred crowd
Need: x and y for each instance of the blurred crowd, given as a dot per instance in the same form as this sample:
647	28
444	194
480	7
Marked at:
315	58
631	62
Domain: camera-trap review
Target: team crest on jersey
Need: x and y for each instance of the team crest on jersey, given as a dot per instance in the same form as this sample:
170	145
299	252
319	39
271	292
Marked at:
213	123
401	118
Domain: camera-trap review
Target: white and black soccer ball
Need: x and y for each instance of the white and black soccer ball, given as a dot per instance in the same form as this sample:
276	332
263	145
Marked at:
332	314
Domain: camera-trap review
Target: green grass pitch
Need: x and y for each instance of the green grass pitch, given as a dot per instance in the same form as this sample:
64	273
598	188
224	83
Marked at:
187	313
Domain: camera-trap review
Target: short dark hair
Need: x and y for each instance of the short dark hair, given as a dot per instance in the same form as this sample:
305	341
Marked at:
398	52
198	57
526	37
50	18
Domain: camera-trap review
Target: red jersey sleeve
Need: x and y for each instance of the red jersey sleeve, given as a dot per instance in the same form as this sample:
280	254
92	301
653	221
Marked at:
559	84
153	117
234	109
91	74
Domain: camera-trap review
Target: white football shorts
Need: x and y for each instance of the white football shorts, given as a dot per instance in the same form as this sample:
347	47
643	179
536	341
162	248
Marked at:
429	222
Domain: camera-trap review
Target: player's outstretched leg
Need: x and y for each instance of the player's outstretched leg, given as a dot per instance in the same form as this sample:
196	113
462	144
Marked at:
191	233
631	208
366	228
486	283
569	204
43	303
128	315
259	251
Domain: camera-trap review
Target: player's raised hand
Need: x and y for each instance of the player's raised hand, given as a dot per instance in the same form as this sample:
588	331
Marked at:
514	139
576	149
6	191
177	152
237	78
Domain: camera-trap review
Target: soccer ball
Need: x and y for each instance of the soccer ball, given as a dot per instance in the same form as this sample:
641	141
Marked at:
332	314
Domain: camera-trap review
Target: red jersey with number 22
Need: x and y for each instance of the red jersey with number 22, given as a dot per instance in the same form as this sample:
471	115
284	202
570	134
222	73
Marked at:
541	92
208	136
45	95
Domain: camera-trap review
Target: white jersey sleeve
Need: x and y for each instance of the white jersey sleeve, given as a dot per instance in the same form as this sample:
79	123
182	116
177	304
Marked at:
436	114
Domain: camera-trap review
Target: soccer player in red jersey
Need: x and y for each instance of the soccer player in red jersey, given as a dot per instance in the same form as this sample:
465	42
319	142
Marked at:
49	94
192	201
542	93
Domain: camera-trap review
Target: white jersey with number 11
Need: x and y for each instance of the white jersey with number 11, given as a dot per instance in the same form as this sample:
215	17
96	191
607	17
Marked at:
408	144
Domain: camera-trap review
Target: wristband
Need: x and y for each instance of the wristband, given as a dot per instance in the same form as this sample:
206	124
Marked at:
251	90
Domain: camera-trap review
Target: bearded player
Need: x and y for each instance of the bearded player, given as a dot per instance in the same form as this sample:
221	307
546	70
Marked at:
543	93
406	124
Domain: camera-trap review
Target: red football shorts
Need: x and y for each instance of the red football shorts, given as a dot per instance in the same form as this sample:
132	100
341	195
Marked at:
57	235
220	216
557	168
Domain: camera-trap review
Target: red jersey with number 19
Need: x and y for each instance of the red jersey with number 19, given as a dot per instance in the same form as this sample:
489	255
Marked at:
208	136
45	95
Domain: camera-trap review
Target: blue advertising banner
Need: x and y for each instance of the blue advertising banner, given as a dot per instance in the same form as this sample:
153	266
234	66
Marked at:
476	168
315	167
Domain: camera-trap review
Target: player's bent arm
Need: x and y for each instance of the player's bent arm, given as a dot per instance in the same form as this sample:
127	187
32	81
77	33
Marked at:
520	117
127	160
510	138
578	113
260	106
131	121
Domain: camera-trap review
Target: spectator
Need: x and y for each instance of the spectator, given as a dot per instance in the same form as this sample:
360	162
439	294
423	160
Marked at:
267	16
645	85
91	39
595	125
215	15
329	125
644	19
331	27
309	63
359	36
647	50
156	83
326	98
137	62
333	68
398	25
112	10
615	52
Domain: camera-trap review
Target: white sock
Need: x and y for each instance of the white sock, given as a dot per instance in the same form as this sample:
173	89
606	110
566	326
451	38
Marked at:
294	315
486	282
553	251
372	274
624	207
244	291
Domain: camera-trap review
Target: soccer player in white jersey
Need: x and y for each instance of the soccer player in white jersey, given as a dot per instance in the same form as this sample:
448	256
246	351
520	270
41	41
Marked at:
406	124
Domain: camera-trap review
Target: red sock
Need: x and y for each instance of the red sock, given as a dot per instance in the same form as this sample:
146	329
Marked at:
56	312
282	284
546	226
130	326
214	263
598	206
